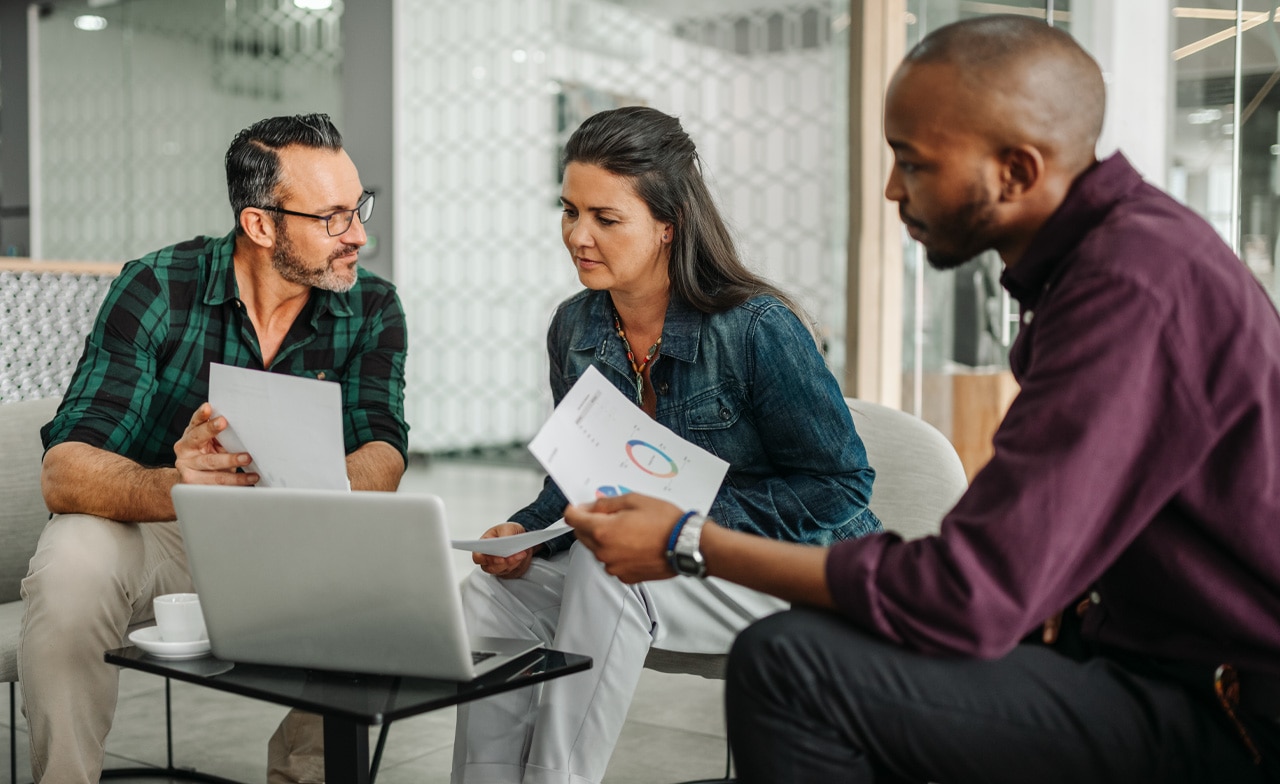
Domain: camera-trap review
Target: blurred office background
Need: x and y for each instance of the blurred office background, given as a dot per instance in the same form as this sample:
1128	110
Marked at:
115	114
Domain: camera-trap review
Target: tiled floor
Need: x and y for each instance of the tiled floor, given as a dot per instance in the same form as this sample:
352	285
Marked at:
674	732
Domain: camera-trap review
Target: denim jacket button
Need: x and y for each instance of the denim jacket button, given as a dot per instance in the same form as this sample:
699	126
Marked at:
724	415
663	388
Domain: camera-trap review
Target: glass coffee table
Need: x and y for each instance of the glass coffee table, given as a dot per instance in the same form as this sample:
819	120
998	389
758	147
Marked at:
350	703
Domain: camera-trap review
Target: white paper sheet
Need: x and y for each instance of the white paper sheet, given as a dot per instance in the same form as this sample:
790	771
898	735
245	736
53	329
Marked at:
290	426
510	545
598	443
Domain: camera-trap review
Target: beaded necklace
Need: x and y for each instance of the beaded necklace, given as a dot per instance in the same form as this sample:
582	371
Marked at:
639	367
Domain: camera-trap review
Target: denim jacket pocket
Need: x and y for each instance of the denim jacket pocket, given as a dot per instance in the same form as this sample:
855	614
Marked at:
715	411
718	423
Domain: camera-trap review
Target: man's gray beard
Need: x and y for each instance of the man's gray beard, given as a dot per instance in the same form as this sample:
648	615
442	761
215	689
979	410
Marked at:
286	262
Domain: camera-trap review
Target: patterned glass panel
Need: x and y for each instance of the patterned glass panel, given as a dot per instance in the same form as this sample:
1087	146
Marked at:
958	325
134	119
486	93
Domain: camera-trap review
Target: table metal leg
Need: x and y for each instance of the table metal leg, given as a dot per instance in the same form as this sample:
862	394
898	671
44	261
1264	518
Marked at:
346	751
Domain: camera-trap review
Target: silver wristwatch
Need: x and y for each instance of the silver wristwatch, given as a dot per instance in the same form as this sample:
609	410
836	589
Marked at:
686	557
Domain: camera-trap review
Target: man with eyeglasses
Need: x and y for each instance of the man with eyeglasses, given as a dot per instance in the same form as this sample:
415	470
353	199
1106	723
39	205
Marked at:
282	292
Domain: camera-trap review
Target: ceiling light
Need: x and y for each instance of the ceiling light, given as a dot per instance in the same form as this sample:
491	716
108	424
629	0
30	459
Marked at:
90	22
1204	116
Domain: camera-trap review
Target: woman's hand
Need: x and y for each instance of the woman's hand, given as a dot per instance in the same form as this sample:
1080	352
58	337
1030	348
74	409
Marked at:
512	566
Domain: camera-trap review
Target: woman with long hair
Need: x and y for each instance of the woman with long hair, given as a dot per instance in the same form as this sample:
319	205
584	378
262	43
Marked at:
674	319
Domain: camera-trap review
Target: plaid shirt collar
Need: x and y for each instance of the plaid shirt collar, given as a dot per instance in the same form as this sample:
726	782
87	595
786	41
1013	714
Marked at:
223	287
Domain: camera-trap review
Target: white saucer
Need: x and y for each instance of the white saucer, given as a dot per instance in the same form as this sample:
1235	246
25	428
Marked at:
148	639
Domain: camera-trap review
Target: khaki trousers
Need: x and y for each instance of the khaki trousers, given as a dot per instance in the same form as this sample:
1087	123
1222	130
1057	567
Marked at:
89	581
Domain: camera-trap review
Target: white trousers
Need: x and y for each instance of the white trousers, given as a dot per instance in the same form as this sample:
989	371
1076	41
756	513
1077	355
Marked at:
565	731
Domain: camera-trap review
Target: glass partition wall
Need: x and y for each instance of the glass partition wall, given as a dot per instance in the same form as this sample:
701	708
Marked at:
958	325
487	92
1224	129
136	101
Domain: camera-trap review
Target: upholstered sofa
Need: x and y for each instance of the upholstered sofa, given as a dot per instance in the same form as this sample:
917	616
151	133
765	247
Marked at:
22	517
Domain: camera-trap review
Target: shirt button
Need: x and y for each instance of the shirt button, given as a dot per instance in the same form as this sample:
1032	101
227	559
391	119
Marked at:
1095	597
1027	316
663	388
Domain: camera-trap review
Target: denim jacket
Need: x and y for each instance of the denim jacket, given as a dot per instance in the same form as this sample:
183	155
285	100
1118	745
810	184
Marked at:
747	385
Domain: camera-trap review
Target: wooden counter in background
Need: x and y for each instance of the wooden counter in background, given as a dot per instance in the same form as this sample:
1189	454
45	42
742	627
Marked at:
16	264
968	408
978	406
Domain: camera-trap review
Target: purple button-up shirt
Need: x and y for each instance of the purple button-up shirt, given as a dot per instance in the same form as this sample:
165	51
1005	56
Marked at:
1139	464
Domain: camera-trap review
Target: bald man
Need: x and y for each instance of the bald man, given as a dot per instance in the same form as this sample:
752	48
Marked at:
1103	604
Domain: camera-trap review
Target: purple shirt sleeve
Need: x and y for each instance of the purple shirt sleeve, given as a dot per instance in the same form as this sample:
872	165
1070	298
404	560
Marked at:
1093	446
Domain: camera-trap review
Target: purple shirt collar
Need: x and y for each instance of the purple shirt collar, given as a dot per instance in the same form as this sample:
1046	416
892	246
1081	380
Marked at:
1093	194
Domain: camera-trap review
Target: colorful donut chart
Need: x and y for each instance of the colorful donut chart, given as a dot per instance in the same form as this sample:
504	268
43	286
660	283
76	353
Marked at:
645	455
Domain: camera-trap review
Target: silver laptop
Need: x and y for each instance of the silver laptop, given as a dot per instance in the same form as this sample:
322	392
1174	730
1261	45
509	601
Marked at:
355	582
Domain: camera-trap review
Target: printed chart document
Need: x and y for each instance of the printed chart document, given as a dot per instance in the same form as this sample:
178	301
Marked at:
598	443
290	426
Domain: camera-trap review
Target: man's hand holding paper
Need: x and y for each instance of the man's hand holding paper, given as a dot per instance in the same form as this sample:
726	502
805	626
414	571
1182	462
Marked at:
201	458
291	426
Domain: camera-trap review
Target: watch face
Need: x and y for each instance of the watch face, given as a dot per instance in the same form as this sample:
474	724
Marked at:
690	565
688	557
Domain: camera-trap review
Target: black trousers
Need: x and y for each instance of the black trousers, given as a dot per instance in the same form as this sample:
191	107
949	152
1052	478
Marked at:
809	698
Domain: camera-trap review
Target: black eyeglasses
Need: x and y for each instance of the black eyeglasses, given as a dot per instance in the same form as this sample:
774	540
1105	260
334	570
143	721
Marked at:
338	222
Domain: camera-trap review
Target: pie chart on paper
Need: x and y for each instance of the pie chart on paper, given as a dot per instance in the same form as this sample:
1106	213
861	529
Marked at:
650	459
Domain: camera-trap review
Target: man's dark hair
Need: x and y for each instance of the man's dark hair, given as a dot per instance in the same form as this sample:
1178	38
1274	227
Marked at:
253	163
1064	99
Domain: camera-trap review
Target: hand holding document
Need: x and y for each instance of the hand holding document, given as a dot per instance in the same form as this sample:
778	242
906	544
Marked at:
598	443
506	546
290	426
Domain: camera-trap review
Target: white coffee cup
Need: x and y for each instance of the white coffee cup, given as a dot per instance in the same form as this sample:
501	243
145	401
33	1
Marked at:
179	618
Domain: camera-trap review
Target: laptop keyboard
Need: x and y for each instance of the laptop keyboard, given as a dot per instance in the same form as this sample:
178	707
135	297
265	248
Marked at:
479	656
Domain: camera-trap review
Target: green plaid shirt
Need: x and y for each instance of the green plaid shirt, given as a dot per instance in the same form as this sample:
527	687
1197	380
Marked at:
145	367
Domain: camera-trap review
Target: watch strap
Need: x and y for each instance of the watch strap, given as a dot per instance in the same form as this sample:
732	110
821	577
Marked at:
686	555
